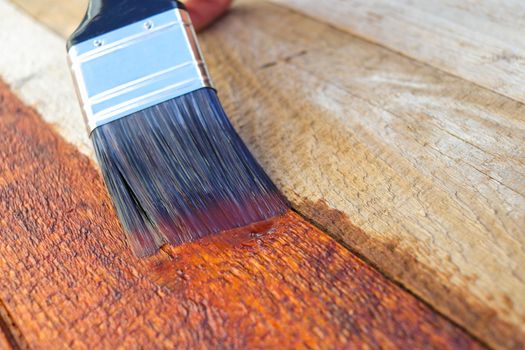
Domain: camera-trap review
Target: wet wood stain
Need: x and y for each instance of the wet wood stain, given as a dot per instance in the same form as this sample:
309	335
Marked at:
68	278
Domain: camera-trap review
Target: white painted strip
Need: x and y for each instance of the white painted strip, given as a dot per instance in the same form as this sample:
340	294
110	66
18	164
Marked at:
33	63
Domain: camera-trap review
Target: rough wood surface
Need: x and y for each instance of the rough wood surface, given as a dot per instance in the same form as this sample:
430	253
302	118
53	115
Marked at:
7	340
482	41
425	171
418	171
68	279
62	17
4	343
36	69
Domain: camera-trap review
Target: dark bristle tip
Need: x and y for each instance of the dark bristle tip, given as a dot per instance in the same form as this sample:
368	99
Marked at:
178	171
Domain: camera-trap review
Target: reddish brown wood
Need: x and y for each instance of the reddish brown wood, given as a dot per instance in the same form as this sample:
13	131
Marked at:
67	277
4	342
7	340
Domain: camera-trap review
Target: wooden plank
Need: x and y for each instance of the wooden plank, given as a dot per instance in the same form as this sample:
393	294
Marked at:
10	336
416	170
37	71
481	41
419	171
69	280
62	17
4	342
7	340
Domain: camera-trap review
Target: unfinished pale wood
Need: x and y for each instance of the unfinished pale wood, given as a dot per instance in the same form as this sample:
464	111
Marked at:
482	41
61	16
428	166
33	62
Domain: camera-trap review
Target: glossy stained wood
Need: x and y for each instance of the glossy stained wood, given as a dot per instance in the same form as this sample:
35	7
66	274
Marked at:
417	170
8	338
68	279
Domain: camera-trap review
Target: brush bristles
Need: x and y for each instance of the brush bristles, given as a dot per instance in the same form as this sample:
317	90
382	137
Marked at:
178	171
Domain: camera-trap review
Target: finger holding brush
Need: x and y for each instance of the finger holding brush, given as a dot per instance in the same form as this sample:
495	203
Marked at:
205	12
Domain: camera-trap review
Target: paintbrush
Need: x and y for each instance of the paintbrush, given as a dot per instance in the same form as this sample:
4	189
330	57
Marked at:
174	165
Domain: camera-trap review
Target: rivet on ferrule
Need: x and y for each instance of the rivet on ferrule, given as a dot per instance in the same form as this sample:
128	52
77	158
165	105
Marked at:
137	66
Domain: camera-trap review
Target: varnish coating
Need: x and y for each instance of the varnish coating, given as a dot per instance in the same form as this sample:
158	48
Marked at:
417	170
68	279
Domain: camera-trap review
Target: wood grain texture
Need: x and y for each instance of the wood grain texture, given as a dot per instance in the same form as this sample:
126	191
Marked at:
36	69
62	17
429	167
482	41
69	280
416	170
4	343
7	340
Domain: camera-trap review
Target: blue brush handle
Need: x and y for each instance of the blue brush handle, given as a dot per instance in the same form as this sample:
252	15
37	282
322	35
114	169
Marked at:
103	16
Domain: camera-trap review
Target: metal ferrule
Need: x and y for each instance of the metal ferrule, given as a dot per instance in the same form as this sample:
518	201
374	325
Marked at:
137	66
